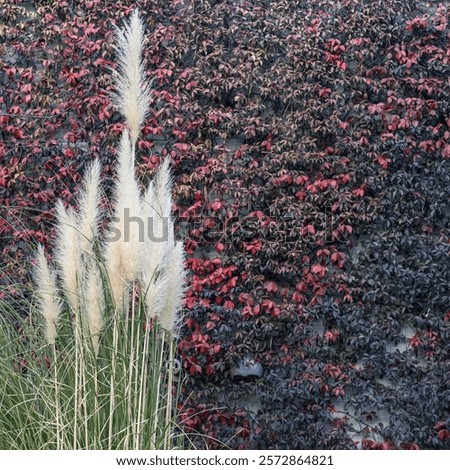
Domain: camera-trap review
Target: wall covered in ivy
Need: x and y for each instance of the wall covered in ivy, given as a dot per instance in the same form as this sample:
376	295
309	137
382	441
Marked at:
310	141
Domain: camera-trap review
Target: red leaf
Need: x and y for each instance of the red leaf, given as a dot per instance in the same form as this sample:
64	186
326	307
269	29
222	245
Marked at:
216	205
254	246
191	84
271	287
386	446
324	92
311	229
181	146
195	369
446	151
415	341
275	312
319	269
331	335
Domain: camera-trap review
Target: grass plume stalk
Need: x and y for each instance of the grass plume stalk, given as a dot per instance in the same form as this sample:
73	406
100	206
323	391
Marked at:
92	366
49	303
89	214
68	256
122	255
132	90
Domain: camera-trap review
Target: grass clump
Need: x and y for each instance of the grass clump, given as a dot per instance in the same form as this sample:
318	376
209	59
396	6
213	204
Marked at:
92	366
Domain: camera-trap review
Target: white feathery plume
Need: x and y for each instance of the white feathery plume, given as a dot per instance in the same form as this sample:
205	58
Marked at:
89	201
156	208
114	264
148	214
169	317
94	304
163	189
67	255
123	250
133	93
48	295
151	257
156	204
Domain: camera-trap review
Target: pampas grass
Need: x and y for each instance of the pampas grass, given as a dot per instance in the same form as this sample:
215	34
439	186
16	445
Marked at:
122	252
156	204
132	90
49	303
94	304
169	316
99	355
89	215
67	254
